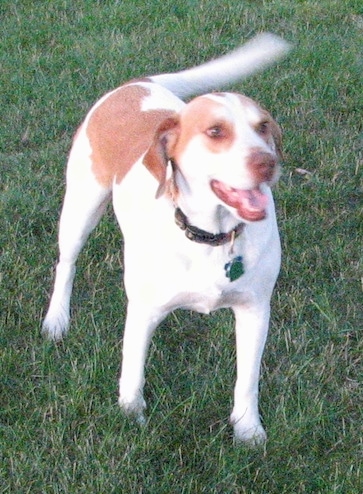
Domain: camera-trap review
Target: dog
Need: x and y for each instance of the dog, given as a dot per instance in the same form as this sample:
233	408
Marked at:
190	186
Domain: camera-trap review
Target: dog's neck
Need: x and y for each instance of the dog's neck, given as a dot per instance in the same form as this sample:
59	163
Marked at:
213	225
203	237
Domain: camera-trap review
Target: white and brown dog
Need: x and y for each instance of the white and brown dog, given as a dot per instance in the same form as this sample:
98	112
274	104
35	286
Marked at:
190	185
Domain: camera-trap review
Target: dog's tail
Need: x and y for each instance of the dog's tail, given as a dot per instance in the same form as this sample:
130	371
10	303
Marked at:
260	52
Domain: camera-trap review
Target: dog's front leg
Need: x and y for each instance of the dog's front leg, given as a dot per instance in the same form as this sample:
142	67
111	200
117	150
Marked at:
251	333
139	328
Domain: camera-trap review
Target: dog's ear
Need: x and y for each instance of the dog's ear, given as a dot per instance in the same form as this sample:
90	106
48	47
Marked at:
277	137
275	132
157	156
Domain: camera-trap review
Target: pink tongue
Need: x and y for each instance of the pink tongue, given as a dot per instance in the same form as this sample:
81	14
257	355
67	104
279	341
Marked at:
250	204
253	200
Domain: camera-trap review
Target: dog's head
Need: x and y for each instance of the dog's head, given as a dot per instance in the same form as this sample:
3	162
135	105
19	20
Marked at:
224	146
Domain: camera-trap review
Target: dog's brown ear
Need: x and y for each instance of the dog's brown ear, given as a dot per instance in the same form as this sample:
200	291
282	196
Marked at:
157	156
277	137
275	131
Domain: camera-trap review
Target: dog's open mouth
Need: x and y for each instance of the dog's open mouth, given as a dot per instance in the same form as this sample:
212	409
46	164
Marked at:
250	204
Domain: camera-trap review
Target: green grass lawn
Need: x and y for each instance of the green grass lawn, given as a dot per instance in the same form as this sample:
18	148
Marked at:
60	427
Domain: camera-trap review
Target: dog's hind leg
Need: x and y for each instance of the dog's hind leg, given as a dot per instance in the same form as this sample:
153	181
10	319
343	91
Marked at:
84	203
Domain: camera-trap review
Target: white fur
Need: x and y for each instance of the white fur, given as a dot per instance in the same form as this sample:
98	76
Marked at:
163	269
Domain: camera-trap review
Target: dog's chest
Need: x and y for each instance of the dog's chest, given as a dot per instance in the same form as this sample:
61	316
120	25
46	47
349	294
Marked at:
201	283
206	301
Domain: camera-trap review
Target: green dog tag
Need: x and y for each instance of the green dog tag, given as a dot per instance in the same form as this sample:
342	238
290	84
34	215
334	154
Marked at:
234	269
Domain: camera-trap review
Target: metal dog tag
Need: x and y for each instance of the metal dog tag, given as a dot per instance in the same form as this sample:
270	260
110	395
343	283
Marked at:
234	268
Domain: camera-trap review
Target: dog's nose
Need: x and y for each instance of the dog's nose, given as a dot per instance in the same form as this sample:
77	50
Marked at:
262	165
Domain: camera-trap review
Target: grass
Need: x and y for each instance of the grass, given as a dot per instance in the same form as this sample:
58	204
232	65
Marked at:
60	426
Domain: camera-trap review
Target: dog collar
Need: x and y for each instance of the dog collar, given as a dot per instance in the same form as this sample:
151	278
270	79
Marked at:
201	236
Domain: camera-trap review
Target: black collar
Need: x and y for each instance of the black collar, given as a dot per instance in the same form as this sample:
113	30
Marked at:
201	236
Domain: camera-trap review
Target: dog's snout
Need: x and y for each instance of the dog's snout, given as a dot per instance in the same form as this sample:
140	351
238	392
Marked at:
262	165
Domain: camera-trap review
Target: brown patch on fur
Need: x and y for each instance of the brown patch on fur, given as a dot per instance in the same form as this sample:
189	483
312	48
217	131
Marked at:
205	118
157	156
119	133
273	131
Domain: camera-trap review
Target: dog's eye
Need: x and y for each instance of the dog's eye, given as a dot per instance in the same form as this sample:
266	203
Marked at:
216	132
262	128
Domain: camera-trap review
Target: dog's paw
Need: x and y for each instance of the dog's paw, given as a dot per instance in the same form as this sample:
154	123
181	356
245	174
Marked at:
134	409
254	436
248	430
55	326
